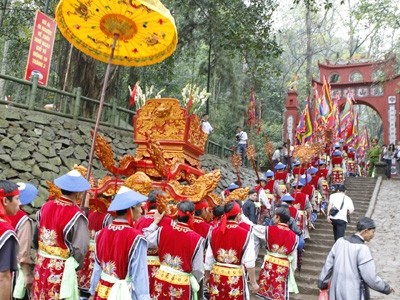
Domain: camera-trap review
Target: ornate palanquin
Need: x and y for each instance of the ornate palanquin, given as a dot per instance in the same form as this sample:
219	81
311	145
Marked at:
169	144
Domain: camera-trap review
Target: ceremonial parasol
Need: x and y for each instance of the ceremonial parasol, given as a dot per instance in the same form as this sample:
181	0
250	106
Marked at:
126	32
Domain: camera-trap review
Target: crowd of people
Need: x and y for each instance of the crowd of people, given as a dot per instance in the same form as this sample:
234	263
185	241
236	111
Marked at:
133	251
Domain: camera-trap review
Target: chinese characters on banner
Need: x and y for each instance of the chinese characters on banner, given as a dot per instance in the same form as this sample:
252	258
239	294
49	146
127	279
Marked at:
41	48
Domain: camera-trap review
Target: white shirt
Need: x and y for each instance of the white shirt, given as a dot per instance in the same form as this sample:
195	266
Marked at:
206	127
336	200
242	137
276	155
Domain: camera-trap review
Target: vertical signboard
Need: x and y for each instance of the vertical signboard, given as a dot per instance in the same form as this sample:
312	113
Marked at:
41	48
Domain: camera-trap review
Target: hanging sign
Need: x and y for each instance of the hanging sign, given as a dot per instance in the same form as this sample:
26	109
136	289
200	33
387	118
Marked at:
41	48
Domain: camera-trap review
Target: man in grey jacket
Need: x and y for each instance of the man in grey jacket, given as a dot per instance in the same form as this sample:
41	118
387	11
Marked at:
351	268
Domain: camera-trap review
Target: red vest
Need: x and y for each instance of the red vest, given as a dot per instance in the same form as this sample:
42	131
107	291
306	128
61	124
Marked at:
19	219
6	232
281	176
322	173
229	247
351	155
53	233
299	198
145	221
337	160
293	212
270	186
280	239
298	171
308	189
114	246
97	220
314	181
177	246
201	227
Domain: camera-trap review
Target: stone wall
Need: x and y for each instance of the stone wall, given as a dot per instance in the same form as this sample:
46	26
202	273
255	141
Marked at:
36	147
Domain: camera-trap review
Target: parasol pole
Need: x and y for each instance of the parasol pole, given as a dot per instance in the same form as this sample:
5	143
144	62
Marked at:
98	117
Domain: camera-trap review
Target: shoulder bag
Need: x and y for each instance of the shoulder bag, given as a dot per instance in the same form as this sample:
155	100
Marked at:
334	210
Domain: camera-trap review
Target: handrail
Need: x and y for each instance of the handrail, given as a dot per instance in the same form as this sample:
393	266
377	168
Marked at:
32	96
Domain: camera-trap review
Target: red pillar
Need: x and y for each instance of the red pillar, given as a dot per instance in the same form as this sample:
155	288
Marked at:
292	116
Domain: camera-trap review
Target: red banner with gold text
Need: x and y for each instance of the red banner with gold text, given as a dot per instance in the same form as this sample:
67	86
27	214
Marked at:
41	48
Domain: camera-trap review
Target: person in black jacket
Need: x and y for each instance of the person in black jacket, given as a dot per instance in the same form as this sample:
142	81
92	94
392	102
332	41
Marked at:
249	208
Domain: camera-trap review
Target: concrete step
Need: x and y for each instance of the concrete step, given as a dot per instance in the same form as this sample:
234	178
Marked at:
360	190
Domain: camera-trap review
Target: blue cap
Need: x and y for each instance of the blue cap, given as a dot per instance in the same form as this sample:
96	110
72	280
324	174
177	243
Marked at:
232	186
296	163
126	198
297	183
269	173
287	197
336	146
303	179
312	170
321	162
73	181
27	192
280	166
337	153
351	149
262	178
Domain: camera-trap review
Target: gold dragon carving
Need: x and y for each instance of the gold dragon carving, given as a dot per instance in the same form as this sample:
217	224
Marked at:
139	182
238	194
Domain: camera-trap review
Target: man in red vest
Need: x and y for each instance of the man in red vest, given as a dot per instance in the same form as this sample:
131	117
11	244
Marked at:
120	270
278	269
24	229
63	239
153	261
230	251
200	216
9	204
181	251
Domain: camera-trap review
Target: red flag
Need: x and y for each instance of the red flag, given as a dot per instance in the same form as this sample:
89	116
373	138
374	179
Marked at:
190	103
133	94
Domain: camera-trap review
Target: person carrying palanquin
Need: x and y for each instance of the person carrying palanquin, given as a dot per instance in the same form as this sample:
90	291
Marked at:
281	176
337	175
24	228
153	261
229	254
303	206
120	270
181	251
277	272
9	205
62	244
200	216
98	219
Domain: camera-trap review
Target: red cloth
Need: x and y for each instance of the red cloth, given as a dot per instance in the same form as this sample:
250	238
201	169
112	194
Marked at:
177	247
314	181
52	234
97	221
322	173
20	218
6	231
201	227
298	171
308	189
270	186
273	277
112	262
228	248
281	175
337	160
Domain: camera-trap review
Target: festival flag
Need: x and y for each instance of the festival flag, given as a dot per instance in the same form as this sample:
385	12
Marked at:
251	111
304	130
133	94
327	105
347	116
352	133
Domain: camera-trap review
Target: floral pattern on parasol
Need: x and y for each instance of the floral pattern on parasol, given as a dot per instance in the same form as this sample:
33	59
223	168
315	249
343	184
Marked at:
145	29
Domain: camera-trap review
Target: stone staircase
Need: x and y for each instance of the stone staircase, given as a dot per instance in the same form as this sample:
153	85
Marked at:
360	190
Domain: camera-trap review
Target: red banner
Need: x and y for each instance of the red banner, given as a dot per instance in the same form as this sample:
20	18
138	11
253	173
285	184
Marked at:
41	49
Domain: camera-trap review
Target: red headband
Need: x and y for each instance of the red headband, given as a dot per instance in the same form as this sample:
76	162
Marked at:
10	194
189	214
201	205
233	212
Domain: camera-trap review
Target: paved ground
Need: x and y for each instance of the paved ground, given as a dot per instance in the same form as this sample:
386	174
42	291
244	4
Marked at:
385	246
